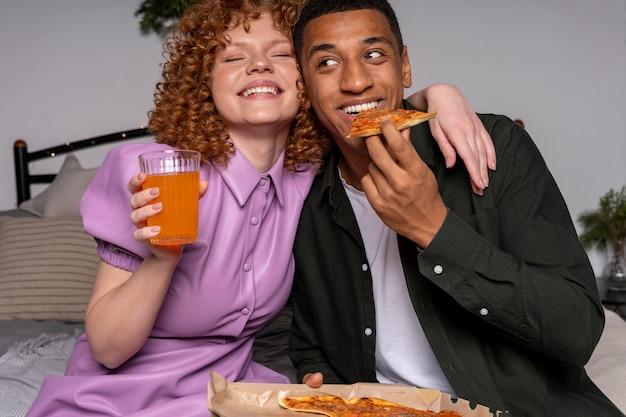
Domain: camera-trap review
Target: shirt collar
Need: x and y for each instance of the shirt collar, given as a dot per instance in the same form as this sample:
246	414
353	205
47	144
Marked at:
242	178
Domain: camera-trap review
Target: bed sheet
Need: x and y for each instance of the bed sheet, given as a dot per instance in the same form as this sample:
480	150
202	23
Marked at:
13	332
607	366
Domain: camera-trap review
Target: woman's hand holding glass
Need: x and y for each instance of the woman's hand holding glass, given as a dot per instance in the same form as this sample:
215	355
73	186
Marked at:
141	203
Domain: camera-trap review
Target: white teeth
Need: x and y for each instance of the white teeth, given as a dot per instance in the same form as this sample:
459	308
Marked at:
360	107
260	90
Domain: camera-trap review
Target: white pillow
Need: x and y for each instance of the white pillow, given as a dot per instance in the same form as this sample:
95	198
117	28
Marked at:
63	195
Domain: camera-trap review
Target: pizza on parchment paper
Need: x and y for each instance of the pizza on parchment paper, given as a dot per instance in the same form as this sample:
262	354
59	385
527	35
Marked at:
367	122
333	406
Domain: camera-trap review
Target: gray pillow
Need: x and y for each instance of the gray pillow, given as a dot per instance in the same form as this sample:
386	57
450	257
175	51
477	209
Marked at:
47	268
62	196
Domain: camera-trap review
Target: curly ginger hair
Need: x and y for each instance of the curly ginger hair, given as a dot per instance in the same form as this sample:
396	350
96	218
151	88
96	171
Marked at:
185	115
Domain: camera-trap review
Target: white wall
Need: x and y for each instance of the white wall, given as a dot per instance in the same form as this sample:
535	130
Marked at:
72	69
559	65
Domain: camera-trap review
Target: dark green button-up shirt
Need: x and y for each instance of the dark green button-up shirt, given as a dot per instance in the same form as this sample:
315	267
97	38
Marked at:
505	293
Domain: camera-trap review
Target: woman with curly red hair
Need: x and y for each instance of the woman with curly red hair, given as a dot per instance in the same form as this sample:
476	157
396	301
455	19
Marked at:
187	117
162	317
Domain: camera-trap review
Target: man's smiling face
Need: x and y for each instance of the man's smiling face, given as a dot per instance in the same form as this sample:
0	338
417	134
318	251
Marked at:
350	61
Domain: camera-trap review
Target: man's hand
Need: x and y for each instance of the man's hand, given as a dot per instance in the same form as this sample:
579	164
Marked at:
314	380
402	188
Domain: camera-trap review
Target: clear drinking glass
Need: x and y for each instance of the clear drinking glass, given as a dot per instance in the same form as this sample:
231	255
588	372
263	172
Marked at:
177	175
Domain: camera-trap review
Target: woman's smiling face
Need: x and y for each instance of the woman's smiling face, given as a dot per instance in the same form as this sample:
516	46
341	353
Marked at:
254	79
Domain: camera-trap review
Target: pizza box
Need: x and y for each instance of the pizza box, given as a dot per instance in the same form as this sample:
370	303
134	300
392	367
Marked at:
244	399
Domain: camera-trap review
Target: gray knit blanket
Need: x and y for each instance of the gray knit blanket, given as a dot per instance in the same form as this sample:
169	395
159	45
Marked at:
25	365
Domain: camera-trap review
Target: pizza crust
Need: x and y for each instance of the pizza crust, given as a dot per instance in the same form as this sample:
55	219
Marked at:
367	122
330	405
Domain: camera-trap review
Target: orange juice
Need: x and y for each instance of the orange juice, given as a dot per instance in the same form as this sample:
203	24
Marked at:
179	217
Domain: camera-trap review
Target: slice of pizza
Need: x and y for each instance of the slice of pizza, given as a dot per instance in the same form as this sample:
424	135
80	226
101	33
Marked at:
333	406
370	407
367	122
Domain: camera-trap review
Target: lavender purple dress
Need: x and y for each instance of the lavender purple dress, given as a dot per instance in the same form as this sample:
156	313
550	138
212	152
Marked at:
227	286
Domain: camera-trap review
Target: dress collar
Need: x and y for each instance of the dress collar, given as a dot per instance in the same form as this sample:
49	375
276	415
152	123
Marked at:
242	178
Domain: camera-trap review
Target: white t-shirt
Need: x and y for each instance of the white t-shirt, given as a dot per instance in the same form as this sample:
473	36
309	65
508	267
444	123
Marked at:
403	355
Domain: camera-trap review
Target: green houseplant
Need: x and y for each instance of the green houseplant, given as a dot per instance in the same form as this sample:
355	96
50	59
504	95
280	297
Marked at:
158	15
606	226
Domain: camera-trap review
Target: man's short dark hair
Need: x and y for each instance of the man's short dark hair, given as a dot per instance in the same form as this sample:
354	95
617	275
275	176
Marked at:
316	8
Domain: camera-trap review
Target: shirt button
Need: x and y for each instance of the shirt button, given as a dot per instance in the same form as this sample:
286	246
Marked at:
438	269
247	267
245	311
364	267
368	331
254	221
262	182
484	311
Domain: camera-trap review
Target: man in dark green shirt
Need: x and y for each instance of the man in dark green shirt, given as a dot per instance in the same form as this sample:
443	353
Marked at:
403	274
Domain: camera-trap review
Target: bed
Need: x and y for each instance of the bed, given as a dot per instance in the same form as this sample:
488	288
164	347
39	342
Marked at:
47	265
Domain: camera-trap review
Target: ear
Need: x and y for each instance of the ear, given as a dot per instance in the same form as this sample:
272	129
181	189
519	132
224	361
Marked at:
300	82
407	80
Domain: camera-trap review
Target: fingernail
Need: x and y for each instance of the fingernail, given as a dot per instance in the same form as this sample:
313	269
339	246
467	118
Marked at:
154	191
155	229
485	182
493	165
157	206
449	163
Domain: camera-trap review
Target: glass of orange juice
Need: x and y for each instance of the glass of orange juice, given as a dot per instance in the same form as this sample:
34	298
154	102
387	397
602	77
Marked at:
176	173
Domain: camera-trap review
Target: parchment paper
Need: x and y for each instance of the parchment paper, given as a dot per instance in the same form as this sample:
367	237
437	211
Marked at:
240	399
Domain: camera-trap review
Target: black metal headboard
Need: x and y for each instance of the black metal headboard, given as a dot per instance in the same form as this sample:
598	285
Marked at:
21	156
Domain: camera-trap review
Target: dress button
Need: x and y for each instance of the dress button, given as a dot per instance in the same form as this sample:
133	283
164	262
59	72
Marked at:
254	221
368	331
247	267
438	269
484	311
364	267
245	311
